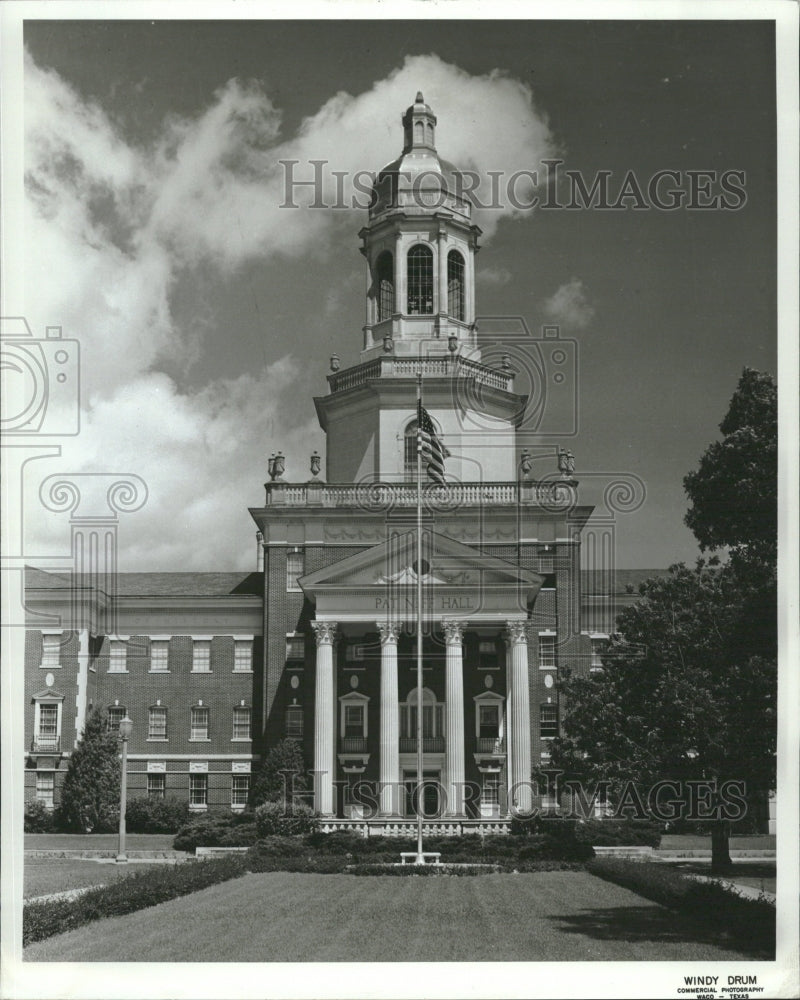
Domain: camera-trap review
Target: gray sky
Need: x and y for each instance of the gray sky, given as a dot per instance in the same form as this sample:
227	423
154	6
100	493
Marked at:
207	314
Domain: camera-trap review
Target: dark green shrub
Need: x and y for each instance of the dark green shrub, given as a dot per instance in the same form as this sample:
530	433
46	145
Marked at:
343	842
282	773
619	832
216	831
136	892
283	847
150	815
285	820
751	922
90	793
422	870
38	818
257	860
240	835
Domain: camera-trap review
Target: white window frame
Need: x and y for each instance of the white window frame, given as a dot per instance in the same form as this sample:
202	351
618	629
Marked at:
150	711
198	781
599	646
49	799
349	700
236	737
198	733
548	637
242	780
156	778
117	653
408	710
490	698
294	709
114	709
38	736
161	646
554	707
201	664
292	586
296	639
51	641
243	652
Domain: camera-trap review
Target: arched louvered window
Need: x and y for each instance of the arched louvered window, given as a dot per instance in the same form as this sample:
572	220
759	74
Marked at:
420	280
455	285
384	277
419	133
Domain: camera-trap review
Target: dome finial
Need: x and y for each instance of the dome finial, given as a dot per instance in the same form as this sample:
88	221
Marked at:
419	99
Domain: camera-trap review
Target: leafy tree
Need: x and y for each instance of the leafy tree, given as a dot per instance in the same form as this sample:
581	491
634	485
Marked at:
689	686
91	790
282	772
734	492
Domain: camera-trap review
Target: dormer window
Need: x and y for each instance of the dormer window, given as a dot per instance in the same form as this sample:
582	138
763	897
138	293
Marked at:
420	280
455	285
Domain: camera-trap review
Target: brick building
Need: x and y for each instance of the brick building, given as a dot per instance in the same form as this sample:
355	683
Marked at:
319	643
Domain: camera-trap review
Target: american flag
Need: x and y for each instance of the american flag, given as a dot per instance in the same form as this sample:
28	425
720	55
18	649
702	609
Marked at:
433	452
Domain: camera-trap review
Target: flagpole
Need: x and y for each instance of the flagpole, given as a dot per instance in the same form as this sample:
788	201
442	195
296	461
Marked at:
420	857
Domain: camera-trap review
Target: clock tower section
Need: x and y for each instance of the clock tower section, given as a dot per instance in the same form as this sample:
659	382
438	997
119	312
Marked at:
419	245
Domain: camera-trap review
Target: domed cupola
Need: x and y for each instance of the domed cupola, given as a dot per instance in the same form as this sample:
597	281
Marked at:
420	247
419	179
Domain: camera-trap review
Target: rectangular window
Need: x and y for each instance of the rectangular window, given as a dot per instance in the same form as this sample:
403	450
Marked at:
240	789
487	655
156	786
45	788
199	728
243	655
117	657
295	649
598	646
198	790
159	655
295	562
48	721
354	720
548	721
547	652
241	723
115	715
491	790
294	722
201	656
157	724
51	651
488	722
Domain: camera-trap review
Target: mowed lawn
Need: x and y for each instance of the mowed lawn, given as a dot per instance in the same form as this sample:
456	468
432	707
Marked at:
42	876
286	917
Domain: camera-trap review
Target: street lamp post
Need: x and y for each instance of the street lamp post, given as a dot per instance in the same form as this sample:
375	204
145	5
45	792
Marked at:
125	728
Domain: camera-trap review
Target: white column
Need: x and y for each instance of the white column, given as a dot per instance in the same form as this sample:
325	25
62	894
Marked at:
454	715
508	723
389	773
517	632
324	729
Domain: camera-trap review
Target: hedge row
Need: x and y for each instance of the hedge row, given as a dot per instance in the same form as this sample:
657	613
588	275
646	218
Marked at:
135	892
751	922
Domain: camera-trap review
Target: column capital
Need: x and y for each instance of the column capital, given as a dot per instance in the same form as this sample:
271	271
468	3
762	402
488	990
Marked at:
516	632
325	632
454	630
389	630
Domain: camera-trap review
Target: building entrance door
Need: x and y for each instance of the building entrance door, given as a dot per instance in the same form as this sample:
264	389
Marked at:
431	805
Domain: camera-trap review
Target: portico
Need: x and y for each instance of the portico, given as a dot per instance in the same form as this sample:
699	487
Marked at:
475	669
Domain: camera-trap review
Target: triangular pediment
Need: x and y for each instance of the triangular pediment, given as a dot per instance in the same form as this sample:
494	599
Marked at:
445	563
48	694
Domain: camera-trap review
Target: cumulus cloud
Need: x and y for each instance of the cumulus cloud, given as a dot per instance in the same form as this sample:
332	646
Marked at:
493	276
113	224
569	306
